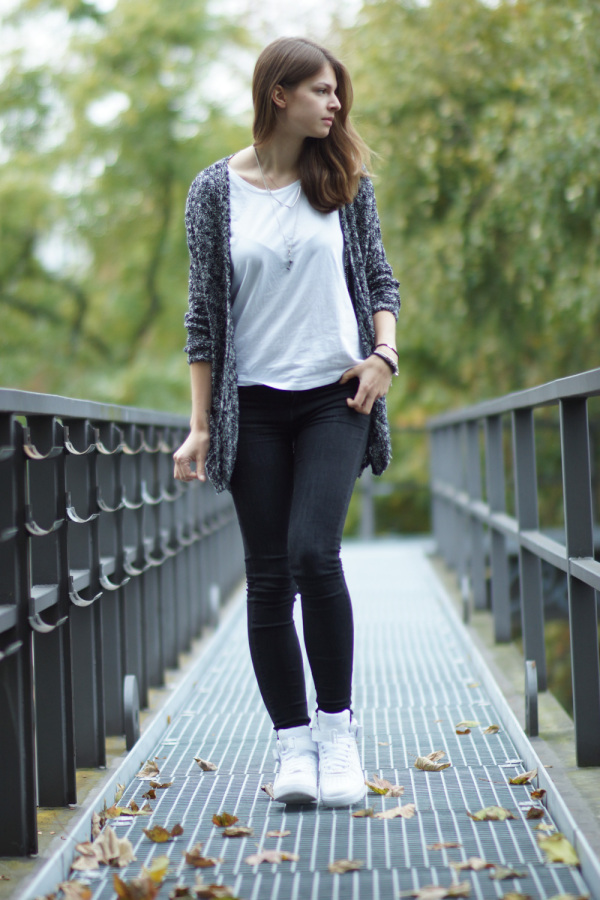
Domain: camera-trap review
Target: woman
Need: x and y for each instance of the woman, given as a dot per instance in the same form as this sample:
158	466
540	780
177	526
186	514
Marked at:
291	341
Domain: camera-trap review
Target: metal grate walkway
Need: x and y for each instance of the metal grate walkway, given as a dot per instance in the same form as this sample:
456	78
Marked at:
413	683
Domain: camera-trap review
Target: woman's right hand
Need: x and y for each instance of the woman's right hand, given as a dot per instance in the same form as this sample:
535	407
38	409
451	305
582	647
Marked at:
193	450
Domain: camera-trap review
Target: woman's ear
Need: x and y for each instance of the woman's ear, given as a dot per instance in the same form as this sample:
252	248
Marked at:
278	96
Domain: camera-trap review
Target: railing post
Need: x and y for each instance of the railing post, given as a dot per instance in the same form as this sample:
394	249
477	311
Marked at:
477	554
583	615
530	565
497	503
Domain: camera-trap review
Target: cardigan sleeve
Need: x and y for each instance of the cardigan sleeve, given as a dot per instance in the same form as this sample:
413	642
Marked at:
197	321
383	287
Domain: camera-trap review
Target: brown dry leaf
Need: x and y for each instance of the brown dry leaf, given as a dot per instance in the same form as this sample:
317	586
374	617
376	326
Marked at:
435	892
443	845
156	870
237	831
75	890
524	778
205	764
212	891
87	860
430	762
491	814
181	892
149	770
475	863
340	866
137	889
382	786
268	789
98	823
463	731
467	723
150	795
406	812
113	812
224	820
119	793
499	873
195	858
367	813
271	856
278	834
491	729
161	835
156	786
558	849
129	811
535	812
133	805
538	795
515	895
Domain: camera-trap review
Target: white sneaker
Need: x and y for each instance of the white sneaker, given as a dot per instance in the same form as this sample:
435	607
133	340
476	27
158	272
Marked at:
341	776
296	780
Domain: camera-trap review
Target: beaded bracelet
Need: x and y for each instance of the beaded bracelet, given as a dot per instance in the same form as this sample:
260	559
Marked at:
387	360
389	346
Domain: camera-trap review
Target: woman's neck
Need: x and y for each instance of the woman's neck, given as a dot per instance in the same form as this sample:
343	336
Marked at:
279	157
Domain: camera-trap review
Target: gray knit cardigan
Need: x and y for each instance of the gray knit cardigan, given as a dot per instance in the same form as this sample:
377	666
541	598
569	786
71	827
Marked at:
209	321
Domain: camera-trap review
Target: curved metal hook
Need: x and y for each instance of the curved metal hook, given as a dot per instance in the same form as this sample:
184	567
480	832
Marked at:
38	624
8	533
32	451
36	530
108	585
132	504
77	599
102	448
72	449
72	513
148	498
133	570
12	648
133	451
103	505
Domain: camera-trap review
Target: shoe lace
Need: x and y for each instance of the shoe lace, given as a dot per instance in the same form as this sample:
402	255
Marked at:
335	755
296	763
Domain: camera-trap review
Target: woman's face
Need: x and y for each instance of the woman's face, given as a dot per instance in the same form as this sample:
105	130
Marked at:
309	108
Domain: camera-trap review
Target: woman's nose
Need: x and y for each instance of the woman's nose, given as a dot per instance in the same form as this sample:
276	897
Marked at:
334	103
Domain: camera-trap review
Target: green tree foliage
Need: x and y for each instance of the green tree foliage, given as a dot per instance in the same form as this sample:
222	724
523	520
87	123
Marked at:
487	119
98	154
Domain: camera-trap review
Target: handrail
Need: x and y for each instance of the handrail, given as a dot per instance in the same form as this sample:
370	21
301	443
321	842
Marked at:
107	570
461	516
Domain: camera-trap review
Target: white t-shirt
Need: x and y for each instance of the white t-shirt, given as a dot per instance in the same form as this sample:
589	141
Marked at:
294	329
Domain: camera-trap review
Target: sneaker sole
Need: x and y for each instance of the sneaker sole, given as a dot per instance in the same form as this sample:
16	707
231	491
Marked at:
344	800
295	796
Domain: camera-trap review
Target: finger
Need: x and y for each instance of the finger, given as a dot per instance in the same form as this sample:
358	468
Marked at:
348	374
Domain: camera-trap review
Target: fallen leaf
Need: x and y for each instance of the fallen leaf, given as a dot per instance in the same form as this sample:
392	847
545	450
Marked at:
268	789
149	770
524	778
137	889
558	849
546	826
499	873
205	765
443	845
156	786
113	812
538	795
430	762
75	890
535	812
224	820
237	831
436	721
182	892
382	786
119	793
491	814
129	811
271	856
570	897
467	723
475	863
406	812
436	892
491	729
463	731
157	869
161	835
383	743
106	850
195	858
364	813
473	684
515	895
133	806
278	834
150	795
340	866
98	823
213	891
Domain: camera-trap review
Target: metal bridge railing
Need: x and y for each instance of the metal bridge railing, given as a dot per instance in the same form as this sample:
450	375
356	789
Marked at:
461	516
108	569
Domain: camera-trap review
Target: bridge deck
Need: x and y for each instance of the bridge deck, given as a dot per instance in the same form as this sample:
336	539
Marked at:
414	681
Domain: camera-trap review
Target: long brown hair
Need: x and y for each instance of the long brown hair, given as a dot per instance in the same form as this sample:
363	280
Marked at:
330	167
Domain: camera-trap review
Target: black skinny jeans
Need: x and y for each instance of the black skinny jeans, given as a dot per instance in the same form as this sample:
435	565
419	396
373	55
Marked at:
299	454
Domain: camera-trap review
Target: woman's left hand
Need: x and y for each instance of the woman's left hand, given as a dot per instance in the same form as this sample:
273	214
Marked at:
375	378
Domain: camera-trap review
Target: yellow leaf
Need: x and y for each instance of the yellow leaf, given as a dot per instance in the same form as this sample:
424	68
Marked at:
158	834
467	723
119	793
430	762
524	778
515	895
499	873
570	897
491	814
382	786
224	820
340	866
75	890
137	889
157	869
364	813
473	684
558	849
475	863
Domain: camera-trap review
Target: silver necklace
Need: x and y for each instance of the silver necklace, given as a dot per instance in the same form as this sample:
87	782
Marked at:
288	242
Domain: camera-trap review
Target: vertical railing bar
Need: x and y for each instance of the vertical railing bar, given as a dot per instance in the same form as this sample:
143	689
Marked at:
477	553
497	503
